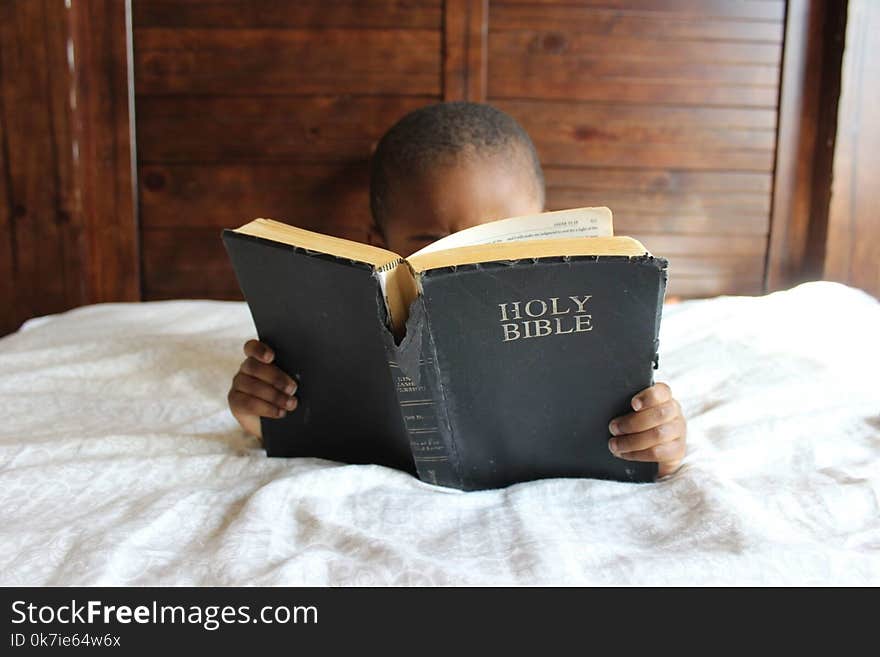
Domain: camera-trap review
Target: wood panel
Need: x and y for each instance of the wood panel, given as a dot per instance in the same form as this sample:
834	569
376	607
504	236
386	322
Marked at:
67	228
613	135
712	285
465	31
630	24
244	129
289	61
104	150
756	10
665	111
658	180
425	14
270	109
187	263
802	142
10	313
312	196
43	242
853	253
592	54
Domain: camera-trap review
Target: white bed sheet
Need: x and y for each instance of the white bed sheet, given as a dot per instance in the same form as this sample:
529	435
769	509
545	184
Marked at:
120	464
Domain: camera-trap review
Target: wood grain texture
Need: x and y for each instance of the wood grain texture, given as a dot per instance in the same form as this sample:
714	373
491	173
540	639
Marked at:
244	129
574	43
68	223
104	150
630	24
757	10
425	14
714	285
465	32
658	180
801	182
613	135
853	250
30	143
269	110
572	64
663	110
9	315
311	196
41	226
287	61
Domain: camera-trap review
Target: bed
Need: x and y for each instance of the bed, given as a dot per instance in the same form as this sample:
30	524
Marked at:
120	464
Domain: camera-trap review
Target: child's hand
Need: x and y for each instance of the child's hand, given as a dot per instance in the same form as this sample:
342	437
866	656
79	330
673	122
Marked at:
260	389
657	431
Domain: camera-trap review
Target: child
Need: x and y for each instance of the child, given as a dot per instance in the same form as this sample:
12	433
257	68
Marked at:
439	170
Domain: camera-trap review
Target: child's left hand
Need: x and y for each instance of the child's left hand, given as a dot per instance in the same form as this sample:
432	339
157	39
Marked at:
656	431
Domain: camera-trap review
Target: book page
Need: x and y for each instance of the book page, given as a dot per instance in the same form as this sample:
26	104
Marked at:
579	222
399	289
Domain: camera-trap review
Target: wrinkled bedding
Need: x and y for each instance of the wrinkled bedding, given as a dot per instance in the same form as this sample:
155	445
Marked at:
120	464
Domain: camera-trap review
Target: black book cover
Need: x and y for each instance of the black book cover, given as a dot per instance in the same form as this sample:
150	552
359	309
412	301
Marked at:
527	363
324	317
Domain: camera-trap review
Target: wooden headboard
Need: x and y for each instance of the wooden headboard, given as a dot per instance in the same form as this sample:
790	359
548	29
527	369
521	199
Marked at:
665	112
691	119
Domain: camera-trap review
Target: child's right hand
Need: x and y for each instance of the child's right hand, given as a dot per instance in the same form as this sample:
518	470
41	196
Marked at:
260	389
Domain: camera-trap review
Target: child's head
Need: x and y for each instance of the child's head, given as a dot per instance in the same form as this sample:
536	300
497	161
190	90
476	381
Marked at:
450	166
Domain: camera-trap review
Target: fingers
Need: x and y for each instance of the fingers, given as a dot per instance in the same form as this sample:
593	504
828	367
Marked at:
242	403
655	432
262	390
269	374
672	453
643	441
645	419
653	396
258	350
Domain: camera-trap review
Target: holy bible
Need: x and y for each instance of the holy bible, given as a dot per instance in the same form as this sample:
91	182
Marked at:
496	355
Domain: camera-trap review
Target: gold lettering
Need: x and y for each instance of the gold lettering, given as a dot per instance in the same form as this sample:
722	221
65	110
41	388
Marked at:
542	328
554	304
543	308
511	332
581	303
515	322
559	327
583	322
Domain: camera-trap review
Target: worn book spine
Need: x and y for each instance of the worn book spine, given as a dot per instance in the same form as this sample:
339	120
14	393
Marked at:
416	376
662	265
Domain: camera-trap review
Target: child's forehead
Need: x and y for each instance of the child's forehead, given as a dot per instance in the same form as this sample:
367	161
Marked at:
466	192
488	173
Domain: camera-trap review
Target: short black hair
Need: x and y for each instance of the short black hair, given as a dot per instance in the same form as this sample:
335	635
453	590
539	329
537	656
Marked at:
439	133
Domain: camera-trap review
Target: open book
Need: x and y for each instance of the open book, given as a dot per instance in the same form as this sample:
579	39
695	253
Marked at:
495	355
